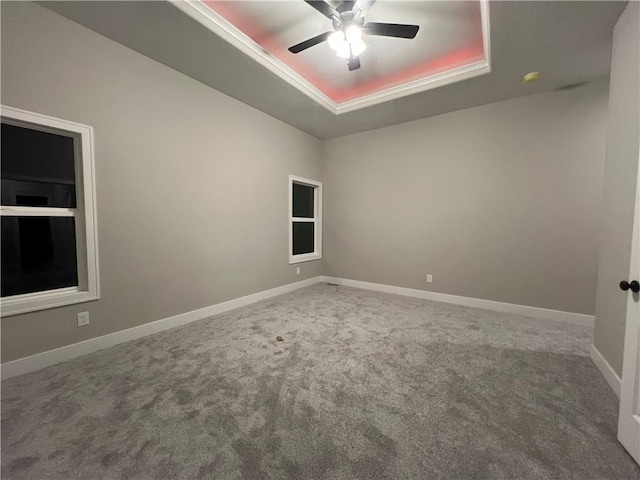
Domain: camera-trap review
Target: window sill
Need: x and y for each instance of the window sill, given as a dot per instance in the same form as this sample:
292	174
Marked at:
306	257
44	300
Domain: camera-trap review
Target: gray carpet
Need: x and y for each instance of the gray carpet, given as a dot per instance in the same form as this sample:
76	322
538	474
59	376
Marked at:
364	385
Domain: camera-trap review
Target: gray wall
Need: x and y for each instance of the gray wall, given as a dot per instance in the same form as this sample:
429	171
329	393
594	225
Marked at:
191	185
621	167
499	202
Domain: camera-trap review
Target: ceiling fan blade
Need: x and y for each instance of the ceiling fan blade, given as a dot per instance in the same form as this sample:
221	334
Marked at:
363	6
353	63
390	29
310	42
324	8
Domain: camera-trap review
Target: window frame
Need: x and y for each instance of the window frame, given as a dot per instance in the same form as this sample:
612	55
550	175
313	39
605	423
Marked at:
84	214
317	220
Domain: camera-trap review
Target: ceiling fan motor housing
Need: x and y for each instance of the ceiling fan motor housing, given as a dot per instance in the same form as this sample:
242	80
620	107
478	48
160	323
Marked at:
348	18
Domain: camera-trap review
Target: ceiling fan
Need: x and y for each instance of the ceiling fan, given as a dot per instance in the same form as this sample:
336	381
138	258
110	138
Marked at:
348	28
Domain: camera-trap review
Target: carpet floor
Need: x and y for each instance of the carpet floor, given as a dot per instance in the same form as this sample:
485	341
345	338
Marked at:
365	385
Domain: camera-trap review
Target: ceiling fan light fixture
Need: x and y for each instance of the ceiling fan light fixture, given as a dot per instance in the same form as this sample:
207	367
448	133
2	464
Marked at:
357	47
344	51
353	33
347	44
336	40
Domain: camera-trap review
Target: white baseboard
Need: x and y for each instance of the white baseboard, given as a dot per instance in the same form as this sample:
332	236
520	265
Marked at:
535	312
607	372
51	357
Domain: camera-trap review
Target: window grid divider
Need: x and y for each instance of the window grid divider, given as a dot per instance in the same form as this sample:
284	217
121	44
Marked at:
20	211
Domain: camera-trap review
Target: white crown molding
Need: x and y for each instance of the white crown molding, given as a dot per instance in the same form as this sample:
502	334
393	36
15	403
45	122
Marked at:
225	30
228	32
486	34
38	361
455	75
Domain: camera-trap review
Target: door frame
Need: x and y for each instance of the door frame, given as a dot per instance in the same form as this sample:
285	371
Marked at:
629	415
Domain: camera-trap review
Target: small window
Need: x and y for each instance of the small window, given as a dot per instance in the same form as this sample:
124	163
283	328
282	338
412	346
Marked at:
49	253
305	219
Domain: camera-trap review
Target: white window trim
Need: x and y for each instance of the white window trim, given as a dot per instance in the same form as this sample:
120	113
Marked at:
317	220
88	288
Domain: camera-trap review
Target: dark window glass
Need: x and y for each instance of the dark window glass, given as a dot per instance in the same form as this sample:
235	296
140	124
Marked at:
303	237
302	201
38	253
37	168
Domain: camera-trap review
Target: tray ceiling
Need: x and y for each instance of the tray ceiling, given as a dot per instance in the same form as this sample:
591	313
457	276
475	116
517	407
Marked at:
569	43
451	45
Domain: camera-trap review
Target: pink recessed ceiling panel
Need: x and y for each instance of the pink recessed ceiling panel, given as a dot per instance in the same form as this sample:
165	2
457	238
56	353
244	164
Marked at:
452	41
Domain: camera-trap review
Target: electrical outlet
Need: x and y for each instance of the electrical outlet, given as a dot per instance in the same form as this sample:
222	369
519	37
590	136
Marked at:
83	319
429	278
298	271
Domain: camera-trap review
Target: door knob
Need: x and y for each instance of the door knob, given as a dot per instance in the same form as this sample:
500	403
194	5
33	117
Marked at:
633	285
